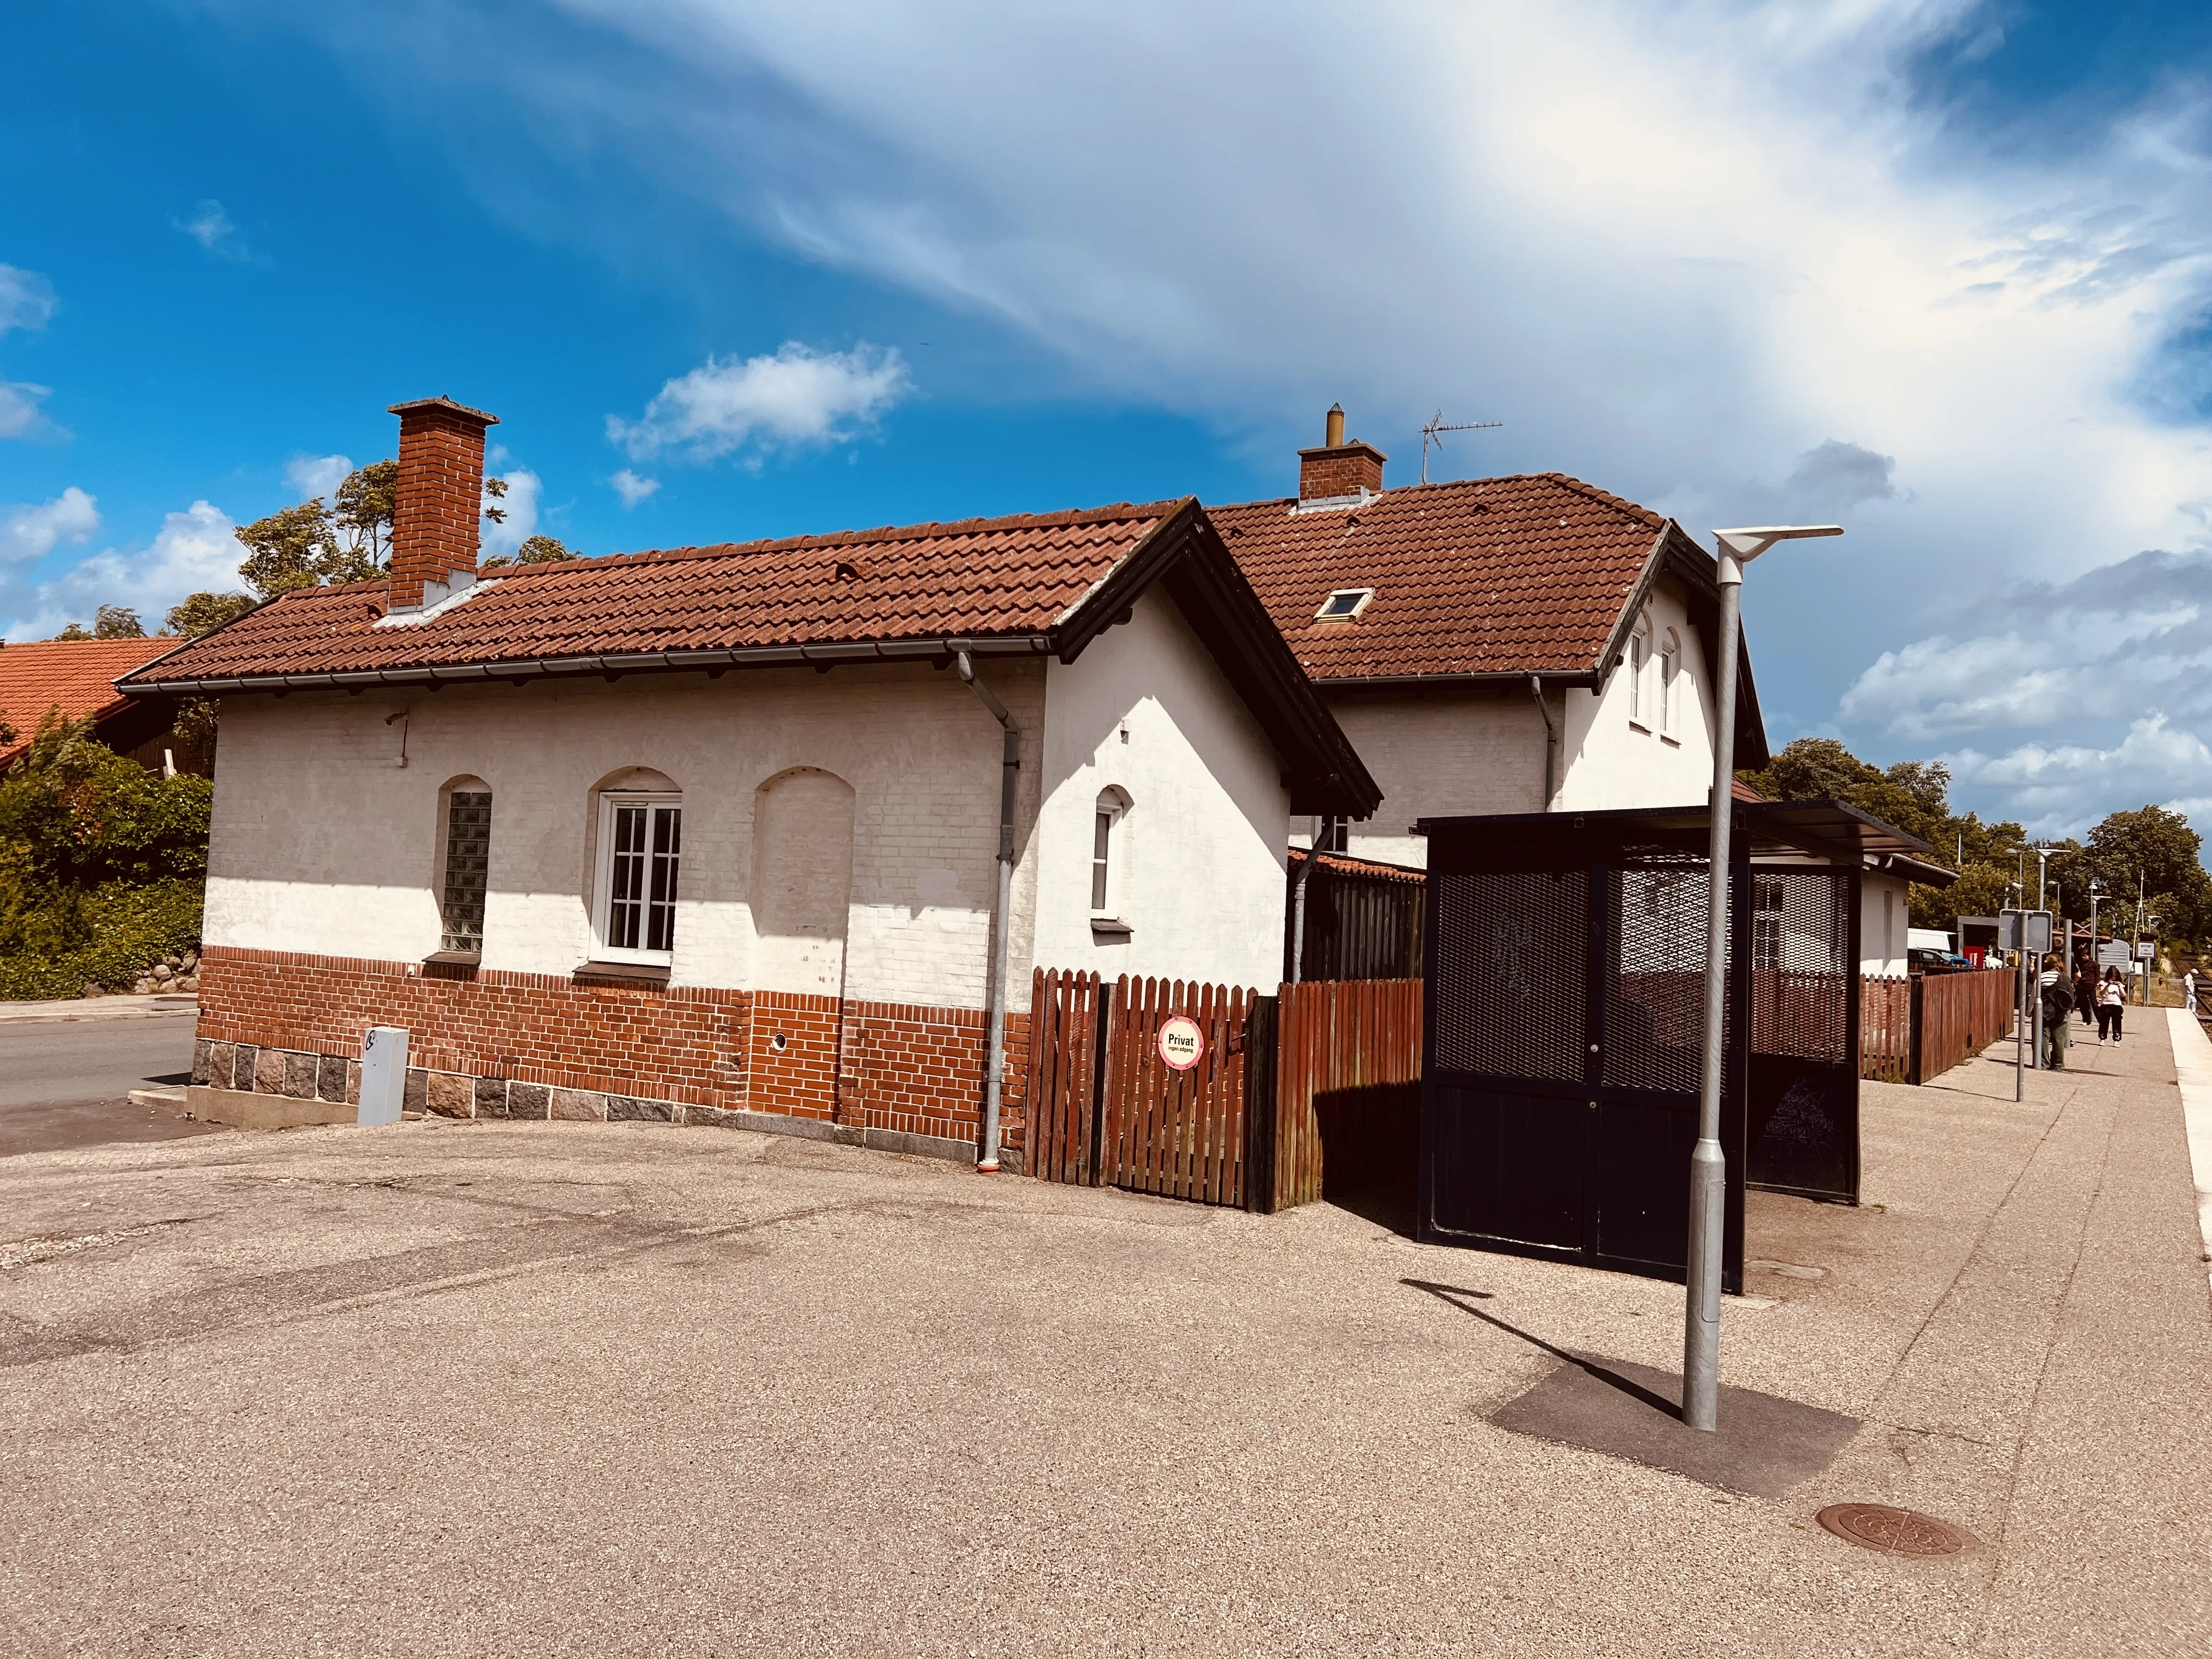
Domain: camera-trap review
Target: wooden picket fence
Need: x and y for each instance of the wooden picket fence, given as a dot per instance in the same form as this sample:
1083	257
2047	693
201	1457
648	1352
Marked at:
1106	1110
1314	1090
1913	1030
1348	1085
1885	1030
1959	1015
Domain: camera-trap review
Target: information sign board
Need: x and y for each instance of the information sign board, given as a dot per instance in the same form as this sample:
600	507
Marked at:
2024	930
2111	956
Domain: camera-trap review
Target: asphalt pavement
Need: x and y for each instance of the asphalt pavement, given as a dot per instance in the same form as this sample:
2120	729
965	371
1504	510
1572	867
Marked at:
65	1081
630	1390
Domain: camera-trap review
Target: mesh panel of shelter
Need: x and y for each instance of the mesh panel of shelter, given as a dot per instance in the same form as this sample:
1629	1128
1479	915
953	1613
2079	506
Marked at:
1511	972
1800	982
1655	987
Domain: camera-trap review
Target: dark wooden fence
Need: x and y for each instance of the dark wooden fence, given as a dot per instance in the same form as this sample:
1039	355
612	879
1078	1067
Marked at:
1363	920
1885	1030
1348	1087
1914	1031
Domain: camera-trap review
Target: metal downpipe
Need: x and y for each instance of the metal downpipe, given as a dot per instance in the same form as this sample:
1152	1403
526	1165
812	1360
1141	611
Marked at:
995	1061
1550	742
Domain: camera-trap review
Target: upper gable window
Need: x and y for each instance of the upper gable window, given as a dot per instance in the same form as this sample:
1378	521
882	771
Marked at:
1345	605
1670	692
1639	670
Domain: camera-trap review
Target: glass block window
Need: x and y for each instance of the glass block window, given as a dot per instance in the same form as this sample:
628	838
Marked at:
468	866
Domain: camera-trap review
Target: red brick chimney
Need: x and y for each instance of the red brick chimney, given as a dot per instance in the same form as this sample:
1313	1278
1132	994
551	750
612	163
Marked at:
441	499
1339	470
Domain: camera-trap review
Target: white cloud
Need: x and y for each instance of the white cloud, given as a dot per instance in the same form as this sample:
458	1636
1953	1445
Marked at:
523	490
31	533
317	475
194	550
631	487
27	299
20	414
797	398
2060	790
210	225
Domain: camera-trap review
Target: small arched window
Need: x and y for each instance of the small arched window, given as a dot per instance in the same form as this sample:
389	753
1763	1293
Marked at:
1639	665
466	865
1108	854
1670	694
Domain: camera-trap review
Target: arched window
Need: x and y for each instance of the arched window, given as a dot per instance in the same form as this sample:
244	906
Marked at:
465	865
640	846
1108	854
1670	664
1639	664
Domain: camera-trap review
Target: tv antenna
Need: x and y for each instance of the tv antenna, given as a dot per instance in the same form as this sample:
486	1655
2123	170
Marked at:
1434	431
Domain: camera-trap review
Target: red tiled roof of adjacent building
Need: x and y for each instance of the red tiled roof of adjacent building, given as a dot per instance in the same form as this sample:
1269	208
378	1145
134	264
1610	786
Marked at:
981	579
74	676
1516	575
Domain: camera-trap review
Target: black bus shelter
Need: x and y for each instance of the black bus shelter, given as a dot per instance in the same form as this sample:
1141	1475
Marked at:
1564	1017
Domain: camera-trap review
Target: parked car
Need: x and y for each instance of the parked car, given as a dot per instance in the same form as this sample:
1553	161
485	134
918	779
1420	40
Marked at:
1927	959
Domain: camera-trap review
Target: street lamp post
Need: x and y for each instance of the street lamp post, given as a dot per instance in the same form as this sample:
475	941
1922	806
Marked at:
2035	970
1701	1317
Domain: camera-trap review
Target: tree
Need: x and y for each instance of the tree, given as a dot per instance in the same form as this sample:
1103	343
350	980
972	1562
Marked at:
203	613
74	631
293	547
1812	769
367	503
535	550
116	622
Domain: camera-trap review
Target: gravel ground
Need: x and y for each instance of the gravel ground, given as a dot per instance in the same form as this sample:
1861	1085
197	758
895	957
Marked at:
626	1389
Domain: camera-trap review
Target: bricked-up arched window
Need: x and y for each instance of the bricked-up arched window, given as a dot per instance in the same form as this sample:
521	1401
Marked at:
465	865
641	846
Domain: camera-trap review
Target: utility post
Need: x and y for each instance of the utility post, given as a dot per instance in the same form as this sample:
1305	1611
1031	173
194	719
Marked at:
1701	1311
2035	968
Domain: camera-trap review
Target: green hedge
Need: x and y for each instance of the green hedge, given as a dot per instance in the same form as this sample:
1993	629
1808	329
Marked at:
130	929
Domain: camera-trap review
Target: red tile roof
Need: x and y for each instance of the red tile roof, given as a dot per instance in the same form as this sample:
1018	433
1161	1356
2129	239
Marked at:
1517	576
76	675
1031	585
982	579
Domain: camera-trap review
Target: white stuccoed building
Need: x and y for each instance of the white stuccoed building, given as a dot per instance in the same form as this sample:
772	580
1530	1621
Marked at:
716	833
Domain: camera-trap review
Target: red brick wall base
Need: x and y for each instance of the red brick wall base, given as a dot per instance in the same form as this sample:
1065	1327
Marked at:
489	1043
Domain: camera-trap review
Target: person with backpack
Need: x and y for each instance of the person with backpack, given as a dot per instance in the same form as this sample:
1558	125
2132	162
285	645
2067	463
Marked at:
2112	1005
2085	992
2057	994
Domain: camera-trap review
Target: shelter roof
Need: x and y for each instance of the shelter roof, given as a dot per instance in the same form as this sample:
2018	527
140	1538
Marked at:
1827	829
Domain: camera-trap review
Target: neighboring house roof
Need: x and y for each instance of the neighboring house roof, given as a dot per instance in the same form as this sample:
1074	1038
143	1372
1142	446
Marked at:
1028	585
1482	578
76	675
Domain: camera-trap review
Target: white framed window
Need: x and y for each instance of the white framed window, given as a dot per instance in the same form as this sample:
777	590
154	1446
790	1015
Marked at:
1639	670
640	852
1345	605
1108	854
1670	693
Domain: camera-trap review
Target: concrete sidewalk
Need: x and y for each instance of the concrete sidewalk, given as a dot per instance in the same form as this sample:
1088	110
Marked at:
619	1390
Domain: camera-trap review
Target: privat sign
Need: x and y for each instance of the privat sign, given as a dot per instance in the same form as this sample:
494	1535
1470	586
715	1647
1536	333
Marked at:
1182	1044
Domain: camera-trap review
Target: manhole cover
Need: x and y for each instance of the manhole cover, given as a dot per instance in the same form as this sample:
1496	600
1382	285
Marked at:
1892	1531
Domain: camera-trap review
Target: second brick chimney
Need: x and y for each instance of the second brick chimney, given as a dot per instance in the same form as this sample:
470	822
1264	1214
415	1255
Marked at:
440	500
1339	471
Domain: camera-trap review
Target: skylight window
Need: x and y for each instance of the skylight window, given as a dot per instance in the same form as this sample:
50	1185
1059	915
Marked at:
1344	604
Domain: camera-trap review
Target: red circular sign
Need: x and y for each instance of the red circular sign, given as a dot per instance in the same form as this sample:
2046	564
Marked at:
1182	1043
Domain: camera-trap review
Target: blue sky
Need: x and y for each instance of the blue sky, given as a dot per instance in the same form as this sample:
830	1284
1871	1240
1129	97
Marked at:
1940	270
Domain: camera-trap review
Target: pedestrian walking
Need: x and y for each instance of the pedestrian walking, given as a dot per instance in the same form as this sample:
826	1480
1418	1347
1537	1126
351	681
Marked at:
2189	990
2057	994
2085	992
2112	1005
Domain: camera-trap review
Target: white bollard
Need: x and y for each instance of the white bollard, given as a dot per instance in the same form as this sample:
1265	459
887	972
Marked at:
383	1075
